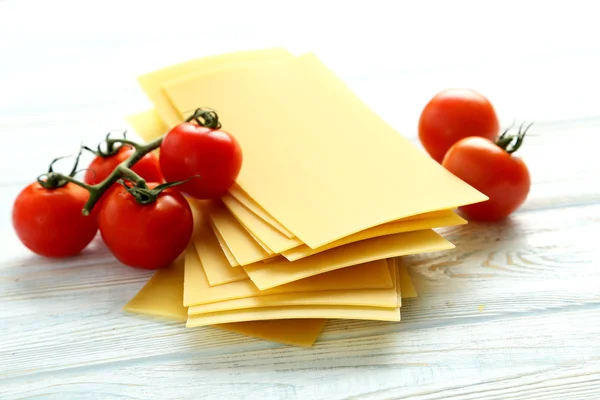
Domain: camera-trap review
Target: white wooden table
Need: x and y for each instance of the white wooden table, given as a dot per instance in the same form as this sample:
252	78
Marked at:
513	312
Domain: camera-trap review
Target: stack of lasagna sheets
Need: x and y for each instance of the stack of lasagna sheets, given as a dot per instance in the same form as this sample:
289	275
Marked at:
329	196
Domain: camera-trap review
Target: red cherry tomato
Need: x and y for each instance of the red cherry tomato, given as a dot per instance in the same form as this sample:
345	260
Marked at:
493	171
190	150
49	221
101	167
149	236
454	114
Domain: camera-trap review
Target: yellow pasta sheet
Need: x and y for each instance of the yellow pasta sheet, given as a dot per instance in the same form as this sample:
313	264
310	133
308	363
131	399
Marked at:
239	241
152	83
228	254
247	250
444	219
211	254
238	194
293	312
243	235
270	236
321	150
147	124
295	332
356	297
236	197
162	297
197	290
406	283
304	311
276	273
260	243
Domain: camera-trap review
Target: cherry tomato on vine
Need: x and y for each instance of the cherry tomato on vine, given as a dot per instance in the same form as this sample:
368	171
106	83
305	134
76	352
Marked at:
492	169
149	236
49	221
454	114
208	152
102	166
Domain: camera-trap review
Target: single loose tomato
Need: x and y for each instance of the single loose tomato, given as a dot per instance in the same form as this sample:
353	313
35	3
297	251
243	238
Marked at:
492	170
49	221
454	114
102	166
213	155
149	236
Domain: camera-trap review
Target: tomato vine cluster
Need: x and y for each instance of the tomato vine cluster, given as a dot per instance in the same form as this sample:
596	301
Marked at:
133	197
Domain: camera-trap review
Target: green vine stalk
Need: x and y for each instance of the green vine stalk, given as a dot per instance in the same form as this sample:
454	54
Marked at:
141	192
123	170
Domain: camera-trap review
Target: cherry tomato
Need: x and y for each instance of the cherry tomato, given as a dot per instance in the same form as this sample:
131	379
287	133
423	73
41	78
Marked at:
454	114
101	167
493	171
49	221
190	150
149	236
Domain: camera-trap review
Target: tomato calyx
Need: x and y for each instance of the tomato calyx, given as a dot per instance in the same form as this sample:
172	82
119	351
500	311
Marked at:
112	146
54	180
143	194
512	142
205	117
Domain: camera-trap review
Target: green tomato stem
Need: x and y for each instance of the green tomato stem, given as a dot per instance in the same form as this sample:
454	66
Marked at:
512	142
122	170
144	195
205	117
112	142
54	180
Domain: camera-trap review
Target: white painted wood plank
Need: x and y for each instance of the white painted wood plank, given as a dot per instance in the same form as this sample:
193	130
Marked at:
549	356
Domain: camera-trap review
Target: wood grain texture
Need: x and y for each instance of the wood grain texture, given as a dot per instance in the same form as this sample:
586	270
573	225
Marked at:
484	360
512	313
